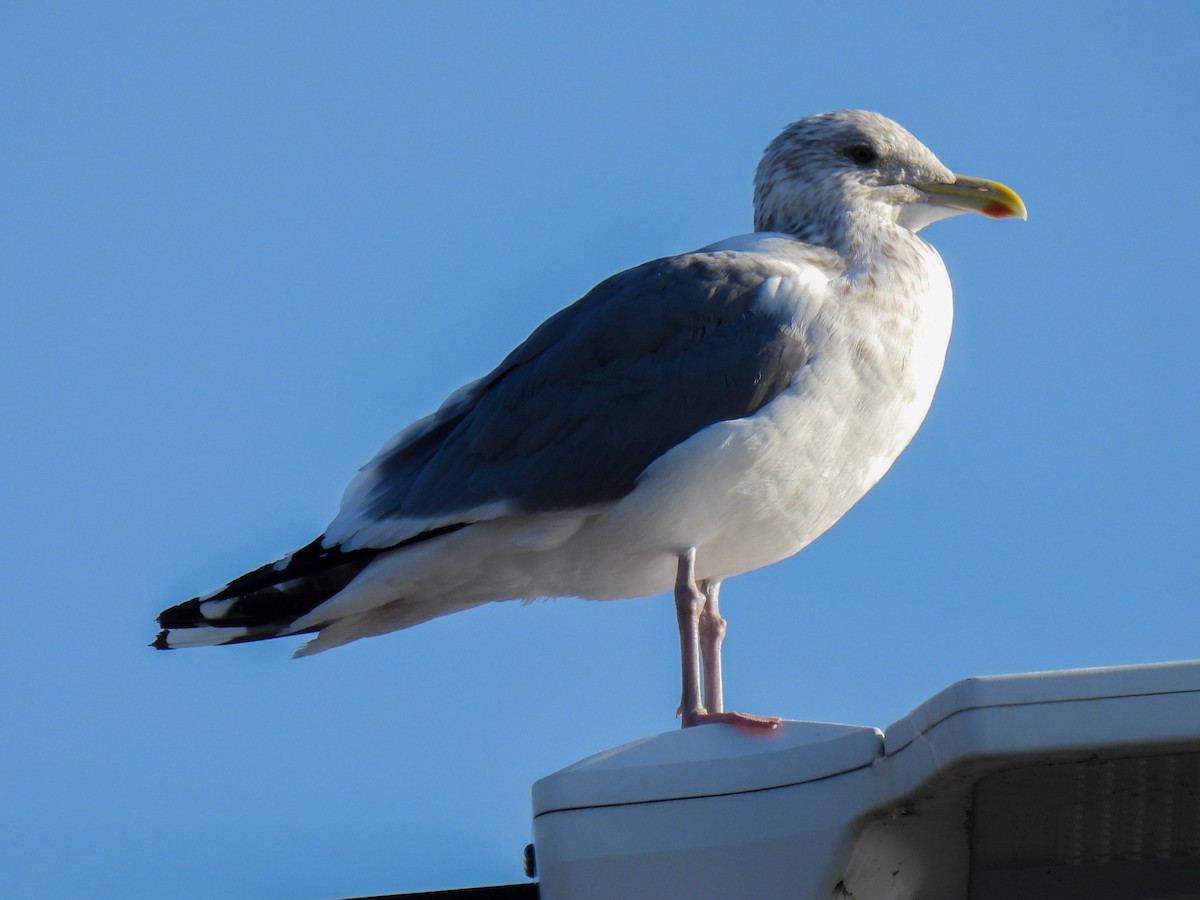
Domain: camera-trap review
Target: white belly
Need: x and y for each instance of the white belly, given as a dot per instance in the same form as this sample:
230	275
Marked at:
751	492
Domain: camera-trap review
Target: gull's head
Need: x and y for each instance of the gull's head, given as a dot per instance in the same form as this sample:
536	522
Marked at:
827	171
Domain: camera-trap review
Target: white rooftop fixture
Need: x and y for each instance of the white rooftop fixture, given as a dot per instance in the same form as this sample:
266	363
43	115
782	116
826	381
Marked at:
1072	784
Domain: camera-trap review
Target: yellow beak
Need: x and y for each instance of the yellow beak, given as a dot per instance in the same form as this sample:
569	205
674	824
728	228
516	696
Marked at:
976	195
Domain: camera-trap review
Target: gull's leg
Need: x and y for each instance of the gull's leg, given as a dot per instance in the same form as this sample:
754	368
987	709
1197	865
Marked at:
691	610
689	603
712	633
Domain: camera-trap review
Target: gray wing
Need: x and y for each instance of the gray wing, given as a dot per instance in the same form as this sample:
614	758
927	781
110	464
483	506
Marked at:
599	391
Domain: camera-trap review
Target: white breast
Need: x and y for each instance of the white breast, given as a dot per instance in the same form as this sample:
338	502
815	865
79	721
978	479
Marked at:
750	492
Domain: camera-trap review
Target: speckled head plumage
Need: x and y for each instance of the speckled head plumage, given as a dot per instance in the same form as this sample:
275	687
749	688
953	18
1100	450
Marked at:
823	171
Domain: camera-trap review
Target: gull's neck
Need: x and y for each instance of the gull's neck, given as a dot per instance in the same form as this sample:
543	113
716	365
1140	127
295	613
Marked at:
867	238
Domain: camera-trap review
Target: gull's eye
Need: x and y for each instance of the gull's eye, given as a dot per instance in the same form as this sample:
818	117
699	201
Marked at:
861	154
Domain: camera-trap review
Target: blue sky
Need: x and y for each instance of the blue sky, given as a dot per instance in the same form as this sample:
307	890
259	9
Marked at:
245	243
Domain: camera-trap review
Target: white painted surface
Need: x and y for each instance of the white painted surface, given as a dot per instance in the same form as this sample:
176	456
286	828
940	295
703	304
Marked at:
816	810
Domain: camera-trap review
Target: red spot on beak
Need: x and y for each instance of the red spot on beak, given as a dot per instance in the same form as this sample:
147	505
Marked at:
997	210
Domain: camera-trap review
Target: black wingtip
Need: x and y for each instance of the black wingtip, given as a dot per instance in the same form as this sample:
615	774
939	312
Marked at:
160	642
182	615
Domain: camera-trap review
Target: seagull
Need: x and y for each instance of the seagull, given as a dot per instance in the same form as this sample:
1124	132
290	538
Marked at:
686	420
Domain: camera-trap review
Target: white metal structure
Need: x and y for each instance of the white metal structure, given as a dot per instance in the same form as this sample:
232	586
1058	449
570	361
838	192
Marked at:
1072	784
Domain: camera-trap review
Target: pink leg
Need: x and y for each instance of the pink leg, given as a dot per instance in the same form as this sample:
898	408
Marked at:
712	633
691	609
689	603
